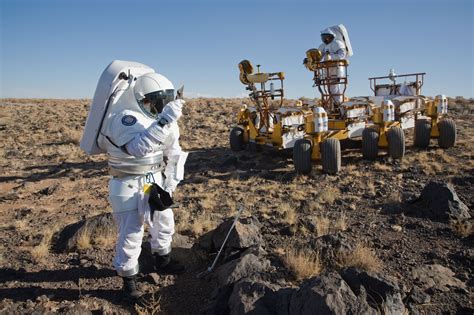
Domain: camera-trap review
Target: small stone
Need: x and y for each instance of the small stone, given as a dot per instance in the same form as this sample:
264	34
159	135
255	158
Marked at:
442	203
245	234
153	278
95	266
245	266
436	277
418	296
397	228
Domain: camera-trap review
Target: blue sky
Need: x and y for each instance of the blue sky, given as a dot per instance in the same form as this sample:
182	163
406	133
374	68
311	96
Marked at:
58	49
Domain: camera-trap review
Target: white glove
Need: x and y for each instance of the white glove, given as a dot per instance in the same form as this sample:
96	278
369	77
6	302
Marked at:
172	111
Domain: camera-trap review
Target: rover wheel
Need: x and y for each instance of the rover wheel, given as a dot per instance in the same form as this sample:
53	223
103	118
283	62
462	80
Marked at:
331	155
302	156
422	133
447	133
396	142
370	143
236	139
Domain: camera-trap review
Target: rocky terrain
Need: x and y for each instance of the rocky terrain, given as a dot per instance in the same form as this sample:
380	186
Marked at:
381	237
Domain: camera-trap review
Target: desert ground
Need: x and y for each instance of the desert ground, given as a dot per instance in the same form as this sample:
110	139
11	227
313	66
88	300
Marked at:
47	184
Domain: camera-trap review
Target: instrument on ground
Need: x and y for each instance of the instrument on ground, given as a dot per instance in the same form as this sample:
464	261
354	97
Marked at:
211	267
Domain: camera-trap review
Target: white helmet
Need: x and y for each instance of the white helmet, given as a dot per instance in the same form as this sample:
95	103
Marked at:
327	35
152	92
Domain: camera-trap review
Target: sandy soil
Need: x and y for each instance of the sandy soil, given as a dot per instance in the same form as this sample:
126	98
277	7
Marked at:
47	182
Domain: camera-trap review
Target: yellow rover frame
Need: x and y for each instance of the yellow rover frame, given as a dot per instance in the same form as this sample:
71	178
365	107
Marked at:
338	124
440	127
269	132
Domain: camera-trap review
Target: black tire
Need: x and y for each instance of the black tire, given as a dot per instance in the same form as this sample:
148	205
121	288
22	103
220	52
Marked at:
331	155
447	133
236	139
396	142
302	156
422	133
370	144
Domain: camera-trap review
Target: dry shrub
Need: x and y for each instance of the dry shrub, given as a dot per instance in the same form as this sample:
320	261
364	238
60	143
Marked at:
382	167
71	136
40	251
351	168
105	237
149	307
303	263
289	213
322	225
360	257
371	188
182	220
202	224
298	191
340	223
445	156
207	201
462	228
83	240
433	168
329	194
352	172
279	251
19	225
314	206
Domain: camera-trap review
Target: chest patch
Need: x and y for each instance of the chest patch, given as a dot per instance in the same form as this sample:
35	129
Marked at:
129	120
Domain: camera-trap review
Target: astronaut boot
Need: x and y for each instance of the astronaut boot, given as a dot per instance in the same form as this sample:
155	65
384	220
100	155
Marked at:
130	291
165	265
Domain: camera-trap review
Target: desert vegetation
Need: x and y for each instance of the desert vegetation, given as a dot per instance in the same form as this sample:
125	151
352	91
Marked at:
310	227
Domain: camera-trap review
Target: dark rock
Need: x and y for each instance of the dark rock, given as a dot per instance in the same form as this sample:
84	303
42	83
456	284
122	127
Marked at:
22	213
330	246
9	196
465	256
327	294
418	296
49	190
245	234
442	202
436	277
378	291
250	297
97	225
205	242
76	309
259	297
181	241
243	267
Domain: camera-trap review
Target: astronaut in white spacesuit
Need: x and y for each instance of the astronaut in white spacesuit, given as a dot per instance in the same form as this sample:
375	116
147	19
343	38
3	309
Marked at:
141	137
334	49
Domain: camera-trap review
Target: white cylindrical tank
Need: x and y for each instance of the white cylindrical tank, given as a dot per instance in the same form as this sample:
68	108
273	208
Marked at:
320	120
442	104
388	111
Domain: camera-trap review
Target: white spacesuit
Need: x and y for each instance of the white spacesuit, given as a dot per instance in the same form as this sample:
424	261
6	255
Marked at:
140	134
334	48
